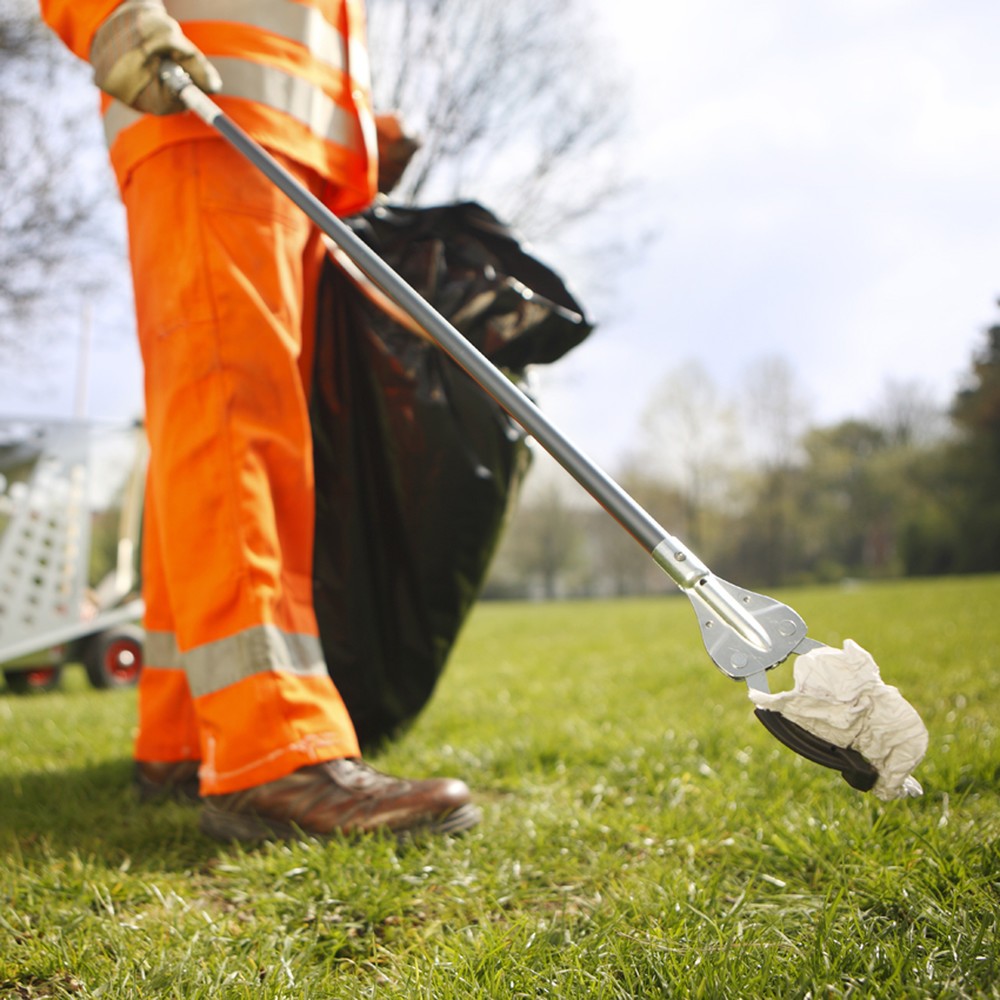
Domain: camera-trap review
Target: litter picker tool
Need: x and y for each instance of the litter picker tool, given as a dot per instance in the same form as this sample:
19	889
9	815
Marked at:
746	634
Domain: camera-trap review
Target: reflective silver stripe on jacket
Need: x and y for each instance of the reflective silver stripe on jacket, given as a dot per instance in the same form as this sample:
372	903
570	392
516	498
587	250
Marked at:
159	650
271	87
257	650
294	21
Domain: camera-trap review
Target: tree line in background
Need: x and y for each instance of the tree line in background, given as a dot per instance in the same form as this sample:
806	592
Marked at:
759	494
764	501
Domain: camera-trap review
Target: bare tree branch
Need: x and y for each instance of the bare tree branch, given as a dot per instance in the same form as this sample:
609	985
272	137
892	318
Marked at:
50	203
515	104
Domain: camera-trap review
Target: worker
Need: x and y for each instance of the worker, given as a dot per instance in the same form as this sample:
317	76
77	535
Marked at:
236	705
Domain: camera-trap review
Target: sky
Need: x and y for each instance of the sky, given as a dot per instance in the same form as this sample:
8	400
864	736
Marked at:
817	182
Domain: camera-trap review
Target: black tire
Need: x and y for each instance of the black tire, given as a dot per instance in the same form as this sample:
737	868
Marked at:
34	680
113	659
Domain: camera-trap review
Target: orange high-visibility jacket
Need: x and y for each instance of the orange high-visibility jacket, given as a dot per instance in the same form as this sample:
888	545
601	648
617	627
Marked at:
294	75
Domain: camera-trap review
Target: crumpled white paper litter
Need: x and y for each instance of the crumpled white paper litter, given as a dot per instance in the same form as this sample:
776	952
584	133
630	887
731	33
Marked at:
840	697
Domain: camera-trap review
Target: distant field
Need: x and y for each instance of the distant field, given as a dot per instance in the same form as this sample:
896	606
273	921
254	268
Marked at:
644	836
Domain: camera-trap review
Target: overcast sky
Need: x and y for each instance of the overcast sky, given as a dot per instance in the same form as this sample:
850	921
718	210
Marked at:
816	181
823	180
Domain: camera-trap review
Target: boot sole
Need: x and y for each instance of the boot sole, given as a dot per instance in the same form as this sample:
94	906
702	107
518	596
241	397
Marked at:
249	828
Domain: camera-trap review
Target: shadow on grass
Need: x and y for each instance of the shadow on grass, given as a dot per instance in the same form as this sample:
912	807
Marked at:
92	811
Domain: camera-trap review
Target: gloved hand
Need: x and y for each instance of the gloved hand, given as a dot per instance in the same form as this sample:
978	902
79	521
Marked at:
396	147
128	49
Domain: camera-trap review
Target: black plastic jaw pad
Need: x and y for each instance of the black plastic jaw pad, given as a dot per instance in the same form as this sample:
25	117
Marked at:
855	770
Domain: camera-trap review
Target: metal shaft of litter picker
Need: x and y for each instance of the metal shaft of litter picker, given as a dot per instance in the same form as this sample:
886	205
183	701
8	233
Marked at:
745	633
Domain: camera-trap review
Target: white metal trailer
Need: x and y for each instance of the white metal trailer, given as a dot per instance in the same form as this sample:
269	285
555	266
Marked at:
71	497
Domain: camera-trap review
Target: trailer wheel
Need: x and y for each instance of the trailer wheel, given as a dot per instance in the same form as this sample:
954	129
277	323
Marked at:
32	681
113	659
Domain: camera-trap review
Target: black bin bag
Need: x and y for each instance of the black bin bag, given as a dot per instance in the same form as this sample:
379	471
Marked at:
416	466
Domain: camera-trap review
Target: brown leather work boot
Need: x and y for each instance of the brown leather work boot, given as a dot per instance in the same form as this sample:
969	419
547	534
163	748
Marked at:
339	796
172	779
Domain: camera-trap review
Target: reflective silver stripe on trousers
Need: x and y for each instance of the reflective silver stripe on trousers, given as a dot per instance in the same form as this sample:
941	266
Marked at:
290	94
159	650
257	650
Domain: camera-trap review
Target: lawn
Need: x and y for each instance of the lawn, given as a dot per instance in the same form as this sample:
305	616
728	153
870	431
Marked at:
643	836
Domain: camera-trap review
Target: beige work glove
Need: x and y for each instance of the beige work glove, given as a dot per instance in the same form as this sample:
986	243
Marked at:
127	52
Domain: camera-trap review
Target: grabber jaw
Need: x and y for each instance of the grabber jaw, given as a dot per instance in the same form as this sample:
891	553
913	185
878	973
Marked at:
747	634
854	768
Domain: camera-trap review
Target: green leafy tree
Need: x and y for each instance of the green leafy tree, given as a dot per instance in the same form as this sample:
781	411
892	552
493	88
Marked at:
839	509
542	547
975	461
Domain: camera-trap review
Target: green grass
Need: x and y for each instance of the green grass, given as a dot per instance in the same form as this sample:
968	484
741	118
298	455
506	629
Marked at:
643	837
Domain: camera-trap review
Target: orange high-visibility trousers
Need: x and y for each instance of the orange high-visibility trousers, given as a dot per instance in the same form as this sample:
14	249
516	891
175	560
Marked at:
225	270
